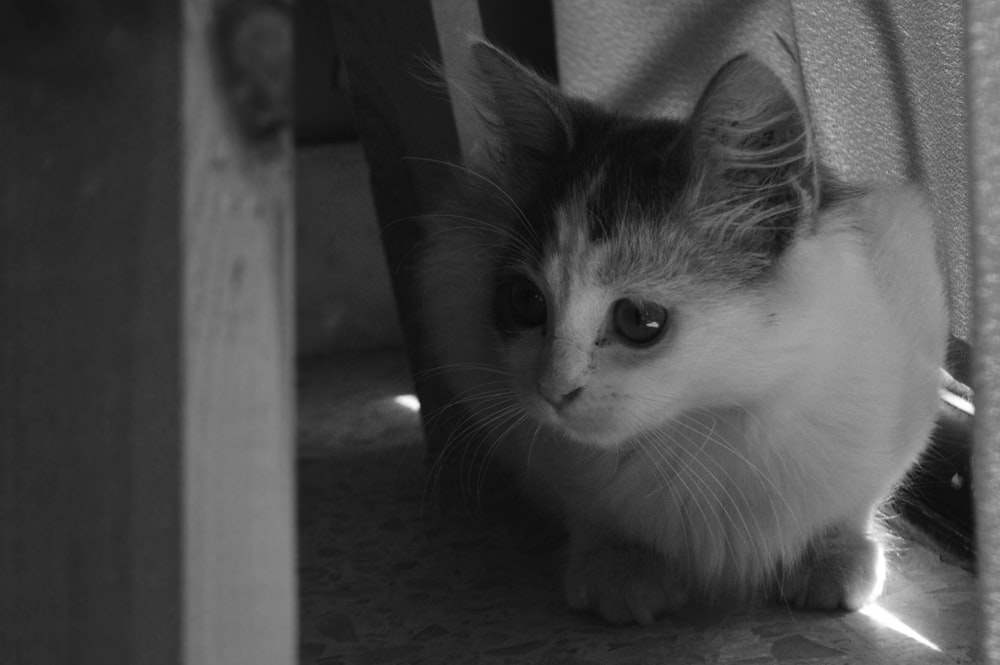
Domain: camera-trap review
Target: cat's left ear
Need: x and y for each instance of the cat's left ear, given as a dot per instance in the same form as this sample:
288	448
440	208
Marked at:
527	112
755	154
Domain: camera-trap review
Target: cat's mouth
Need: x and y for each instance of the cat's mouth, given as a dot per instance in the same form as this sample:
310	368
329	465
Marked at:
582	423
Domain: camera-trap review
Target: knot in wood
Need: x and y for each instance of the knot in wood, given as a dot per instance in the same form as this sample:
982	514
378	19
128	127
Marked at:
255	45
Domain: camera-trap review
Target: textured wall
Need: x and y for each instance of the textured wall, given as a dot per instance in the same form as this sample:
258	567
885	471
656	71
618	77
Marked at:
885	83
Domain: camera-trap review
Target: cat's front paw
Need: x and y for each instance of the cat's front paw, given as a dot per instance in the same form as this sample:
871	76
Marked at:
843	570
623	584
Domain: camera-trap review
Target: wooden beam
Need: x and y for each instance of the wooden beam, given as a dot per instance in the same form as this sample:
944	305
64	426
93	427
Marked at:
145	360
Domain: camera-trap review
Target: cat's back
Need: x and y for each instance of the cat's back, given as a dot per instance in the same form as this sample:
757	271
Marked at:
898	228
865	306
892	315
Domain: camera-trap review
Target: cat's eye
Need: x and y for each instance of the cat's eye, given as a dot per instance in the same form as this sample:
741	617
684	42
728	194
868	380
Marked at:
525	304
639	323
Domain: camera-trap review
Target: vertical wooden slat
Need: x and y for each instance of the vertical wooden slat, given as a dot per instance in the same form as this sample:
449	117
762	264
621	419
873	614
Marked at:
145	374
411	139
237	330
983	41
90	408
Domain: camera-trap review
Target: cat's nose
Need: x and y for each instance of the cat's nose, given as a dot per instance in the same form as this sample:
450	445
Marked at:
560	400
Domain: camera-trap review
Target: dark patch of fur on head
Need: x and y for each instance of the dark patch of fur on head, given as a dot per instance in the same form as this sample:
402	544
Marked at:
722	195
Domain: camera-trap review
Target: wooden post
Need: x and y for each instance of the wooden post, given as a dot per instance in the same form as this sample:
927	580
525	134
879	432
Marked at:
238	392
146	503
411	138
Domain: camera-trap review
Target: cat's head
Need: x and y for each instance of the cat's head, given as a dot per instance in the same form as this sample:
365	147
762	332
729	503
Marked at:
640	257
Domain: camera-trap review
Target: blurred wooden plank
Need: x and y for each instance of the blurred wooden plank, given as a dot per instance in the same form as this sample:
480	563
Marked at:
90	387
238	389
145	374
983	40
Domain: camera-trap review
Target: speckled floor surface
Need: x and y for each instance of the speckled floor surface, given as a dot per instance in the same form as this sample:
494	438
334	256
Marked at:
389	576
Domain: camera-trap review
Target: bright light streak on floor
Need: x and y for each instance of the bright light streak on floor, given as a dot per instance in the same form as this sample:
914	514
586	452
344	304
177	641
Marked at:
886	618
409	402
957	401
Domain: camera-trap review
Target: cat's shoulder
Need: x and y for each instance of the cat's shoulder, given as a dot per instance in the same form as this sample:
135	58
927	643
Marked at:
887	215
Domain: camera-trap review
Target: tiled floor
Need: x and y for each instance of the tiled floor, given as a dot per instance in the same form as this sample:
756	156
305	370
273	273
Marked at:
389	576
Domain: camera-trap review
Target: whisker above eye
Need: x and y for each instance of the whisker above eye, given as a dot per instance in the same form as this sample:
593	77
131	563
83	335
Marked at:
508	199
465	366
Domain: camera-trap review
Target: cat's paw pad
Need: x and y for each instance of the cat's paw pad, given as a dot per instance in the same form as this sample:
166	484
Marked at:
844	572
622	584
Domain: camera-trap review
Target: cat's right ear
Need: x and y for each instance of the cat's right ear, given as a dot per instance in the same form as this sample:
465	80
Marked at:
525	111
755	151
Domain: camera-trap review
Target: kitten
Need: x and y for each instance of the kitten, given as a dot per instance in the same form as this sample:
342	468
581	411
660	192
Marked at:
711	357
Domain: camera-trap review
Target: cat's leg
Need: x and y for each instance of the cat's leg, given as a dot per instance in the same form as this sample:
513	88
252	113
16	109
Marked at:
844	568
622	582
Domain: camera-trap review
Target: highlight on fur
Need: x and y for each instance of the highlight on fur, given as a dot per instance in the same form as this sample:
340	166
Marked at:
686	338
